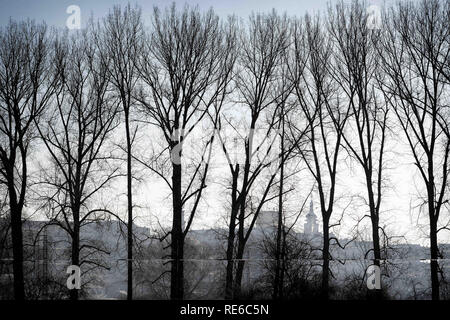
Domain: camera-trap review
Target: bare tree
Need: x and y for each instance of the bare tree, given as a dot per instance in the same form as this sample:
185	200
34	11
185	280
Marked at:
25	90
282	250
414	42
263	88
297	277
185	71
355	67
118	41
281	231
5	223
318	98
288	167
77	131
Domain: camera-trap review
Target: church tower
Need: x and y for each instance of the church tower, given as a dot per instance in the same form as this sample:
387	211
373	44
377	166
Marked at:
311	226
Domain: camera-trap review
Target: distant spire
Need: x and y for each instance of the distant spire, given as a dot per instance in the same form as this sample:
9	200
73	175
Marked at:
311	225
311	208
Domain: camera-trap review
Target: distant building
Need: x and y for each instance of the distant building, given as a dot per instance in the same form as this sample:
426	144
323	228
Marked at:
267	220
311	226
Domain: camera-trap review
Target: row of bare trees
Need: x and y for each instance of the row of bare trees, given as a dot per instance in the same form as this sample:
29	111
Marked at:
291	91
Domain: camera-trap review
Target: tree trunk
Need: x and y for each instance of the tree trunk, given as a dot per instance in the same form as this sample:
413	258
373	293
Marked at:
376	246
177	239
433	216
231	236
434	256
276	282
242	199
16	233
326	259
130	210
17	242
376	240
75	248
241	238
374	217
239	271
283	267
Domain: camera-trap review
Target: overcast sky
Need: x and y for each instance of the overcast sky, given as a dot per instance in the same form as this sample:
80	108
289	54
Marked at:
404	182
53	12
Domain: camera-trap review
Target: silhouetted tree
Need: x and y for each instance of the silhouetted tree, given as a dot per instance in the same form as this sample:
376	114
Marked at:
262	87
185	69
118	40
318	98
413	49
25	90
79	124
355	68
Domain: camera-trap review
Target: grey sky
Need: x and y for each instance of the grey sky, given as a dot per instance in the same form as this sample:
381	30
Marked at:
404	184
53	12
